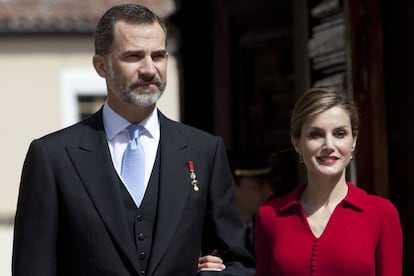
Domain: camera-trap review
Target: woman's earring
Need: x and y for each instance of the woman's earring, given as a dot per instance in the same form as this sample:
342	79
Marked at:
300	159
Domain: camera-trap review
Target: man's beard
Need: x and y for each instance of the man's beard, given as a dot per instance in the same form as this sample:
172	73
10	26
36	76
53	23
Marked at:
132	94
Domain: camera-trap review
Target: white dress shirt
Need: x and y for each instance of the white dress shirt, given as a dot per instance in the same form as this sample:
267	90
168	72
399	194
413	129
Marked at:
117	136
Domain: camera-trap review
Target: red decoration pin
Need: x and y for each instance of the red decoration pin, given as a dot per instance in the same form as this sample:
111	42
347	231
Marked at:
193	176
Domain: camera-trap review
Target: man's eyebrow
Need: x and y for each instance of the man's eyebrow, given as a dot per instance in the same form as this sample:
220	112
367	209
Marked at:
140	52
131	52
161	52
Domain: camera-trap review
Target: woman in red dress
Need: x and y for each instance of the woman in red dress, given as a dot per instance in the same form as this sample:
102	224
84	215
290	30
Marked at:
327	226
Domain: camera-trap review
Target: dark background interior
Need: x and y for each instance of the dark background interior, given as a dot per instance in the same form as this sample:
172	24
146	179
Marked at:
243	65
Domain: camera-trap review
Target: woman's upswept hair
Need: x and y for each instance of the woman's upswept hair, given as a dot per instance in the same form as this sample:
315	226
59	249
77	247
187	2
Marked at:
319	99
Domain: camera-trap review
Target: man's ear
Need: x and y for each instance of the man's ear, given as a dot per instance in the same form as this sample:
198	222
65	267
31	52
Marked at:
99	64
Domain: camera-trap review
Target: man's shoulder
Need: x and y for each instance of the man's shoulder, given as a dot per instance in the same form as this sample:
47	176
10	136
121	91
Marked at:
185	129
74	131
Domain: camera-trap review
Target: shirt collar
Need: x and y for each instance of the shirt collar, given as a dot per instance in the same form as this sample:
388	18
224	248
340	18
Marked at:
354	198
115	123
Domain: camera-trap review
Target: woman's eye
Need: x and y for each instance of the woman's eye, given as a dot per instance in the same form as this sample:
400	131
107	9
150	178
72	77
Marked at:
341	133
315	134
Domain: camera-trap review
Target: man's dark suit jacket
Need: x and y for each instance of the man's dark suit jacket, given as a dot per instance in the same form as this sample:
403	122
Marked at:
70	217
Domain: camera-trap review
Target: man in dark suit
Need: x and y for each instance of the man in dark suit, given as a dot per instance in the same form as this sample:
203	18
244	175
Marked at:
75	214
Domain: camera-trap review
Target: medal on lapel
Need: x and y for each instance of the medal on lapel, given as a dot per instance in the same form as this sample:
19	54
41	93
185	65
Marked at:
193	176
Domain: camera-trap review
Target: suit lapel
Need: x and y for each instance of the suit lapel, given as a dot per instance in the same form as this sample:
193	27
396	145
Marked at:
93	162
174	187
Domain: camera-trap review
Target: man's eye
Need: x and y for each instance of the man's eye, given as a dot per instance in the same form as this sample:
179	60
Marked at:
158	57
132	57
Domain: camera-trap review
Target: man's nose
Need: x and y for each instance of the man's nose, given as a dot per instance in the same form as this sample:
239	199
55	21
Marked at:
147	66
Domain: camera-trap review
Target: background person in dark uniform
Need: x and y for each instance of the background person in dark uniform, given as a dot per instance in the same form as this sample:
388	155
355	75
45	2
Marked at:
260	175
252	174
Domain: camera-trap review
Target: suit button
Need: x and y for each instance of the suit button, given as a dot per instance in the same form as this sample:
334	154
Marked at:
139	218
141	236
142	255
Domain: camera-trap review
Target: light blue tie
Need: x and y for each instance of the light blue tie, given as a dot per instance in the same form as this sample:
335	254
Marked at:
133	164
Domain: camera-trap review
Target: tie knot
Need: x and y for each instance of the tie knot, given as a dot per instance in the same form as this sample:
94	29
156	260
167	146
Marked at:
135	130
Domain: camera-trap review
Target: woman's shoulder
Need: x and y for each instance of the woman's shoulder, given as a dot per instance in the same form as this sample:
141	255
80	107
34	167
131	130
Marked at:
365	200
285	202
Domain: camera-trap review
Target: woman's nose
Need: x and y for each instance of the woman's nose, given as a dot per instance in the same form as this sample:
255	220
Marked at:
328	143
